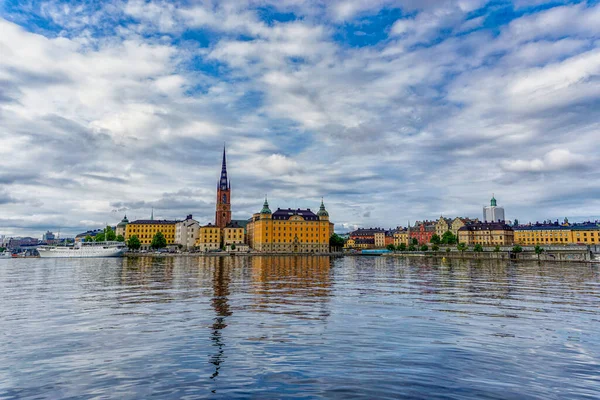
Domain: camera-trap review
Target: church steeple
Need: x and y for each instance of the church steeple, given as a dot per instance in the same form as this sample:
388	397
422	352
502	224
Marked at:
152	215
224	182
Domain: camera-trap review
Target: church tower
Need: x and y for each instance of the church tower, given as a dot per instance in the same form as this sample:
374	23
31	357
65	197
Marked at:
223	213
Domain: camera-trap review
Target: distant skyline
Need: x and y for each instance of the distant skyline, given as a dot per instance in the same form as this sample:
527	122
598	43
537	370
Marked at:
389	110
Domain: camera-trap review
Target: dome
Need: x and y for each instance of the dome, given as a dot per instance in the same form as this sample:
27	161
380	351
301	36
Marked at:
265	209
123	222
322	211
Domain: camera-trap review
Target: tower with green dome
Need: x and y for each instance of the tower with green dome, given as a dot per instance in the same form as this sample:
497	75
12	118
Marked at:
493	213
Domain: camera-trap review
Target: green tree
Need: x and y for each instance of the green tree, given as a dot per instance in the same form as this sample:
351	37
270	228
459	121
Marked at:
336	241
424	247
517	249
538	250
478	248
134	243
99	237
402	247
461	247
232	246
89	238
412	247
120	238
390	247
448	238
110	234
158	241
435	247
448	250
414	242
497	249
435	239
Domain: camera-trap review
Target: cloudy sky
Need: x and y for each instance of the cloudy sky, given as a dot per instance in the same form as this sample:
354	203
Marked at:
392	110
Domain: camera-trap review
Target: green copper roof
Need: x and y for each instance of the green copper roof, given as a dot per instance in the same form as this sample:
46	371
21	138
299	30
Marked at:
265	209
493	201
322	211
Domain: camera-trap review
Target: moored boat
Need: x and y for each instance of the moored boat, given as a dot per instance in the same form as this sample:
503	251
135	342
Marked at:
84	250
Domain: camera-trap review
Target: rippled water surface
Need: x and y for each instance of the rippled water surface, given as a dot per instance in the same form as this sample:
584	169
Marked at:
298	327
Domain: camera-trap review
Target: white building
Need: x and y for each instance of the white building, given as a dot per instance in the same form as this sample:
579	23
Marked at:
186	232
493	213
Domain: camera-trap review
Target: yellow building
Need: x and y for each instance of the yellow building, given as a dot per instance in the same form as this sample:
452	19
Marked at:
145	229
554	234
209	238
379	240
487	234
233	234
442	226
401	236
122	227
349	244
290	231
459	222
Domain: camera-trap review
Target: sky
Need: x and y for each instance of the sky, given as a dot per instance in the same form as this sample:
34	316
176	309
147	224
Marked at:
390	110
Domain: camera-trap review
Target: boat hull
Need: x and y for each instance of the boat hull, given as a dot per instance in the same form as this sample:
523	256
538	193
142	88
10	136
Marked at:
81	253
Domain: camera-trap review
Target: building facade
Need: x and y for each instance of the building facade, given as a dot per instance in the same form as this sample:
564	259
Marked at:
209	238
493	213
422	231
223	211
290	231
401	236
145	229
442	226
459	222
487	234
186	233
122	227
555	234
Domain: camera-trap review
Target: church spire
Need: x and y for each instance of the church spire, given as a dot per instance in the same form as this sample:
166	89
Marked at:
152	215
224	182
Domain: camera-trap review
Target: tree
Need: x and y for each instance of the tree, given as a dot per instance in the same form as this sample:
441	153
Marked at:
435	247
447	249
336	241
99	237
538	250
110	234
412	247
120	238
478	248
89	238
517	249
158	241
414	242
402	247
448	238
461	247
232	246
424	247
435	239
390	247
134	243
497	249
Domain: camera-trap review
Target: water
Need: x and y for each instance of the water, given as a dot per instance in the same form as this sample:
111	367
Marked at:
298	327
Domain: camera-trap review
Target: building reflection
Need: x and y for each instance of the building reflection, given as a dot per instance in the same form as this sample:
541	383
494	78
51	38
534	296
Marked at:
220	304
304	282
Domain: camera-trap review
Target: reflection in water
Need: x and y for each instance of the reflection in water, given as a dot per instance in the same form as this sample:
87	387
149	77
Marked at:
313	327
299	281
220	304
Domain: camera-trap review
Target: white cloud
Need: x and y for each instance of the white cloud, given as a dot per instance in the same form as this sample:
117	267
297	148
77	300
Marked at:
554	160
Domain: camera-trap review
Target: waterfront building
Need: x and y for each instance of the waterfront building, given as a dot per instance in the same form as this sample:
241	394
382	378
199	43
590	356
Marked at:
290	231
145	229
379	240
122	227
422	231
557	234
493	213
585	233
459	222
401	236
223	211
364	243
209	238
233	233
48	237
442	226
487	234
186	232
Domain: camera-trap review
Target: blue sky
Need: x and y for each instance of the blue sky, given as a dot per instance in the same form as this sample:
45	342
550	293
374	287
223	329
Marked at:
390	110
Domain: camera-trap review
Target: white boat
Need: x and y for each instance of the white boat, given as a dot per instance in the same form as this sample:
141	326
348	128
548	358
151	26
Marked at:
84	250
5	254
